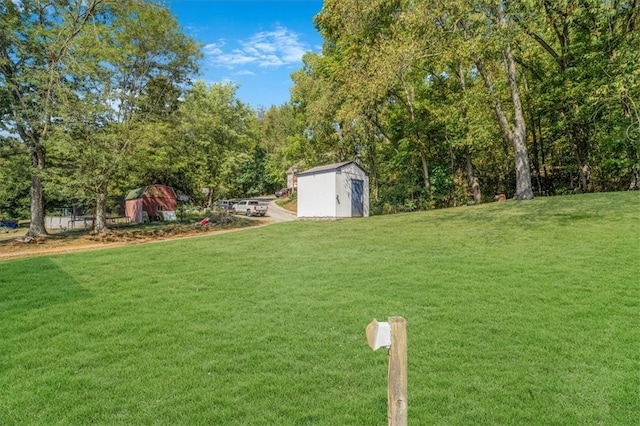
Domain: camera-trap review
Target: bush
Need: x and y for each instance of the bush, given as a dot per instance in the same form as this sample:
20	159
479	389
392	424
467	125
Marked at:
221	218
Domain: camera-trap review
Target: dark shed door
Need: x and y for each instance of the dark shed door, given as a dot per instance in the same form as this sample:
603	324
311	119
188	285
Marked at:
357	199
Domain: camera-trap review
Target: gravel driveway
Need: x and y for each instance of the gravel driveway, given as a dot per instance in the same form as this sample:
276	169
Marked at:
275	213
278	214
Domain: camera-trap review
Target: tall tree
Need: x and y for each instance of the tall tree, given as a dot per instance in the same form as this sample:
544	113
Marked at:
144	61
135	62
585	79
282	131
35	40
515	133
217	127
90	68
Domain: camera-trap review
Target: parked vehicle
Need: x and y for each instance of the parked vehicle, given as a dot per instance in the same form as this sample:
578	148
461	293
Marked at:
8	225
283	192
225	205
250	208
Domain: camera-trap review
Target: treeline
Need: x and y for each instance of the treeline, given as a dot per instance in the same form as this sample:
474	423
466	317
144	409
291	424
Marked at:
445	103
97	98
451	102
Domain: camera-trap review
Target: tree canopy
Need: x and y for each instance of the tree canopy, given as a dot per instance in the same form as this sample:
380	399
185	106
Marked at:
445	103
76	76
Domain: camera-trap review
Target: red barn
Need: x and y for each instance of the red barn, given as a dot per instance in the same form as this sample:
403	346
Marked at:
153	200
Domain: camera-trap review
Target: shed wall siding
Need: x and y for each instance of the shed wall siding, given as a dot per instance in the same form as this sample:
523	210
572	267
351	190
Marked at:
149	200
317	195
343	190
329	194
134	210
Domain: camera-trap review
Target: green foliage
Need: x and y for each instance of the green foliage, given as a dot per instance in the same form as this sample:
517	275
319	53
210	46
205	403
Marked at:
403	81
14	179
511	319
219	142
584	85
77	79
37	57
251	173
283	141
141	68
409	89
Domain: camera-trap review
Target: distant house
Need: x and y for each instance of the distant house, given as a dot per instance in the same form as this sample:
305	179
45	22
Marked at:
333	191
292	177
153	202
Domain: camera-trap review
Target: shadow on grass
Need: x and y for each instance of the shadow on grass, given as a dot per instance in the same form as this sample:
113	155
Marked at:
33	284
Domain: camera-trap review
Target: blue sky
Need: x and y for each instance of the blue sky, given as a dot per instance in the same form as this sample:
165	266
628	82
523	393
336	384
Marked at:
254	43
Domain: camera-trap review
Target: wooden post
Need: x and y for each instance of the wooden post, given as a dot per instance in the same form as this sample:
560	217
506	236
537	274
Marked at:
398	372
393	336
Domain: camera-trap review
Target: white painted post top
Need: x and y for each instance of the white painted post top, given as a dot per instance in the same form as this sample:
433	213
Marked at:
378	335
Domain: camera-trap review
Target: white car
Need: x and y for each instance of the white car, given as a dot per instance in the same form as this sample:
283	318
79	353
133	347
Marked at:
250	208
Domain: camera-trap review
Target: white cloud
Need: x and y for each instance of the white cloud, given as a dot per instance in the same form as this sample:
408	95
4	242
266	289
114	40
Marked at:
213	48
276	48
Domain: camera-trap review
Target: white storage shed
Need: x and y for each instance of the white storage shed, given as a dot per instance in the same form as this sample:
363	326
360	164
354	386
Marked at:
333	191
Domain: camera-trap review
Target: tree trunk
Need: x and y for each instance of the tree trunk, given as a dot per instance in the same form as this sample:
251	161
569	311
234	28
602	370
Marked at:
548	179
409	99
472	179
635	179
536	159
517	136
534	136
36	227
425	174
210	197
100	219
581	151
474	182
523	174
373	170
584	177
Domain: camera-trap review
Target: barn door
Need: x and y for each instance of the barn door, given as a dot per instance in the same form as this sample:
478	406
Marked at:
357	199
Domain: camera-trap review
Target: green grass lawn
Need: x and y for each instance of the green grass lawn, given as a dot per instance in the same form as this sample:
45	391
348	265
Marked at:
517	313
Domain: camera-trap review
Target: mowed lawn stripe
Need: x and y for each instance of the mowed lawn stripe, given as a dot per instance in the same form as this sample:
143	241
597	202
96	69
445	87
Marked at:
517	313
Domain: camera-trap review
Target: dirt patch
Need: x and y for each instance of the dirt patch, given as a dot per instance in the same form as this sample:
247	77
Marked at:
73	241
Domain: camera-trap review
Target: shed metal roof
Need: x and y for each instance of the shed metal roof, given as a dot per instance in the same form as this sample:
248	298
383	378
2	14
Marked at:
331	168
140	192
135	193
